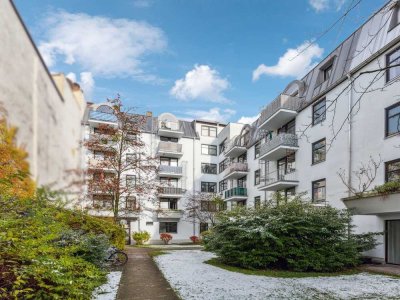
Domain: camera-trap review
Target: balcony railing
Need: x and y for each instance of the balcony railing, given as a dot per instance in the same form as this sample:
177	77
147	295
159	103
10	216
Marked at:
172	191
101	116
275	177
236	191
283	139
283	101
169	147
170	170
235	146
236	167
163	213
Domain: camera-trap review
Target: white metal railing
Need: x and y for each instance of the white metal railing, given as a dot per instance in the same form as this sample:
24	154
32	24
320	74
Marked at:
168	125
234	142
170	169
282	139
170	147
277	176
283	101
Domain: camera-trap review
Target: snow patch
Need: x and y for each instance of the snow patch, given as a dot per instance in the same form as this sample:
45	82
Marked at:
108	291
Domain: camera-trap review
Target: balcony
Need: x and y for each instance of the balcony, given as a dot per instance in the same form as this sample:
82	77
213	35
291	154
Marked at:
374	204
236	170
171	192
236	194
279	112
279	146
169	129
96	117
235	147
169	213
276	181
170	171
169	149
99	164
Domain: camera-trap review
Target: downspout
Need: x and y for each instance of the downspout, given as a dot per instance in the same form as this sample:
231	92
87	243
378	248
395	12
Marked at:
193	174
350	125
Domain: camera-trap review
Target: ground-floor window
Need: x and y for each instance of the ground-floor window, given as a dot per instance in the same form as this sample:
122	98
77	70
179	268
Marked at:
203	227
168	227
257	202
241	203
319	190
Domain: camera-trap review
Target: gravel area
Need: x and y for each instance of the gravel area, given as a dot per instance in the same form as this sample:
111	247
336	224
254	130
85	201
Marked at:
108	291
193	279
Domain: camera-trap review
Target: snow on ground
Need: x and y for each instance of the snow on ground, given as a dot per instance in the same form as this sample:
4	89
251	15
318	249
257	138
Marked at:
108	291
193	279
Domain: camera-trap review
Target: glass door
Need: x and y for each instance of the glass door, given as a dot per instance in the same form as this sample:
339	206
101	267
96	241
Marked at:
393	242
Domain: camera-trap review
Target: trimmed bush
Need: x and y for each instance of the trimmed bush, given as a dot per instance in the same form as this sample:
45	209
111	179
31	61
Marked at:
292	236
141	237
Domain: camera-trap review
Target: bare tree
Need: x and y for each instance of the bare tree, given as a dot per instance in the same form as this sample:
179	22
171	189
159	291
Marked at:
204	207
365	175
121	173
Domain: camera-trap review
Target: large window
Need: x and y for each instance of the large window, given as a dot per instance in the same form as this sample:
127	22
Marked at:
392	170
319	151
208	131
207	168
203	227
208	187
393	119
168	203
286	165
168	227
257	202
241	182
130	203
393	58
169	161
257	177
209	149
130	180
223	165
257	148
319	112
223	185
319	190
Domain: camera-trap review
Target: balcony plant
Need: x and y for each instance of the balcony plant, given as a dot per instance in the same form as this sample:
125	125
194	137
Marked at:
165	237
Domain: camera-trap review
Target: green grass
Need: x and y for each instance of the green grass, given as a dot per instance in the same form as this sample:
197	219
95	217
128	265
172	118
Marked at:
278	273
156	252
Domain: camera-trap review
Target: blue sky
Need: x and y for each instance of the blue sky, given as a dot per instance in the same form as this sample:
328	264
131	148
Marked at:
207	59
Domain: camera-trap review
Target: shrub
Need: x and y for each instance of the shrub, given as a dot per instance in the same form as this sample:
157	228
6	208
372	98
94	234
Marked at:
141	237
292	236
388	187
194	239
165	237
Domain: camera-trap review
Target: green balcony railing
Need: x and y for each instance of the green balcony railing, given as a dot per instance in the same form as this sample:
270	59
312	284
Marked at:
237	191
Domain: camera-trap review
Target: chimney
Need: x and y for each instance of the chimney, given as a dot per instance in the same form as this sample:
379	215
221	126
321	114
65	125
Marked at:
149	114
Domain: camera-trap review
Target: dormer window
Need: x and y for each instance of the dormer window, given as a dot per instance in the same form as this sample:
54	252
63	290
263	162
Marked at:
328	72
395	19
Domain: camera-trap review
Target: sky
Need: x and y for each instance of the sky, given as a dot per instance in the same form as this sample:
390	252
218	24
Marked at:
220	60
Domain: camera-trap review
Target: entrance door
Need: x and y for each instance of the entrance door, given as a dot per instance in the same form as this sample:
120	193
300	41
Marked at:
393	242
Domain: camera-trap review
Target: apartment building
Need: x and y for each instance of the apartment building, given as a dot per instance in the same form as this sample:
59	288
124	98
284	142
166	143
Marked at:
342	114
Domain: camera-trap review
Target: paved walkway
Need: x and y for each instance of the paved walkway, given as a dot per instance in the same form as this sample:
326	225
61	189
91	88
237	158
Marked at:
384	269
141	278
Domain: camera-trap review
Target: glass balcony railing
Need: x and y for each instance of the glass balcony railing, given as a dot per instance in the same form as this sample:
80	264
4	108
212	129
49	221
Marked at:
236	191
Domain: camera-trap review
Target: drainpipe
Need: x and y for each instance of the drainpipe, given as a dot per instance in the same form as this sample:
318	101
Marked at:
193	174
350	125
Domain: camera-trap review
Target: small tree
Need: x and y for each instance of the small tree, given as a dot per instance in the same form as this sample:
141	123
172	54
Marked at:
125	174
204	207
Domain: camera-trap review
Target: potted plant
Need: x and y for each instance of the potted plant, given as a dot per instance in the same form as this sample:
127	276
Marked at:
165	237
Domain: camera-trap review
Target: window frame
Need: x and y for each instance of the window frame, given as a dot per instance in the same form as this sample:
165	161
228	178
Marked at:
130	176
313	188
209	130
313	150
387	77
208	184
209	166
257	149
223	185
208	149
386	168
166	229
257	175
387	109
323	100
325	72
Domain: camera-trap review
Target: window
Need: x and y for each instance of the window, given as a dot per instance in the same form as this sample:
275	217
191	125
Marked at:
290	127
222	147
208	168
130	135
168	161
131	158
319	151
208	131
395	20
257	148
319	112
203	227
393	119
319	190
168	227
208	187
257	177
241	203
257	202
392	171
130	180
103	201
286	165
168	139
98	154
290	192
223	185
149	223
208	206
223	165
170	182
168	203
130	203
393	58
241	182
328	72
209	150
242	158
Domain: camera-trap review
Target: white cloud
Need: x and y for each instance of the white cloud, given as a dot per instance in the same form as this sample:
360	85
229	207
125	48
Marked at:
323	5
86	83
248	120
103	46
71	76
293	63
213	114
201	83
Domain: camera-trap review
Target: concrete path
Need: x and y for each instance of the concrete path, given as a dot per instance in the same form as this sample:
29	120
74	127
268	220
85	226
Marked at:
141	278
384	269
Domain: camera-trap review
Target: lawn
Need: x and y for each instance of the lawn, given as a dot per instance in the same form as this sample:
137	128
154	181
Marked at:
196	274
